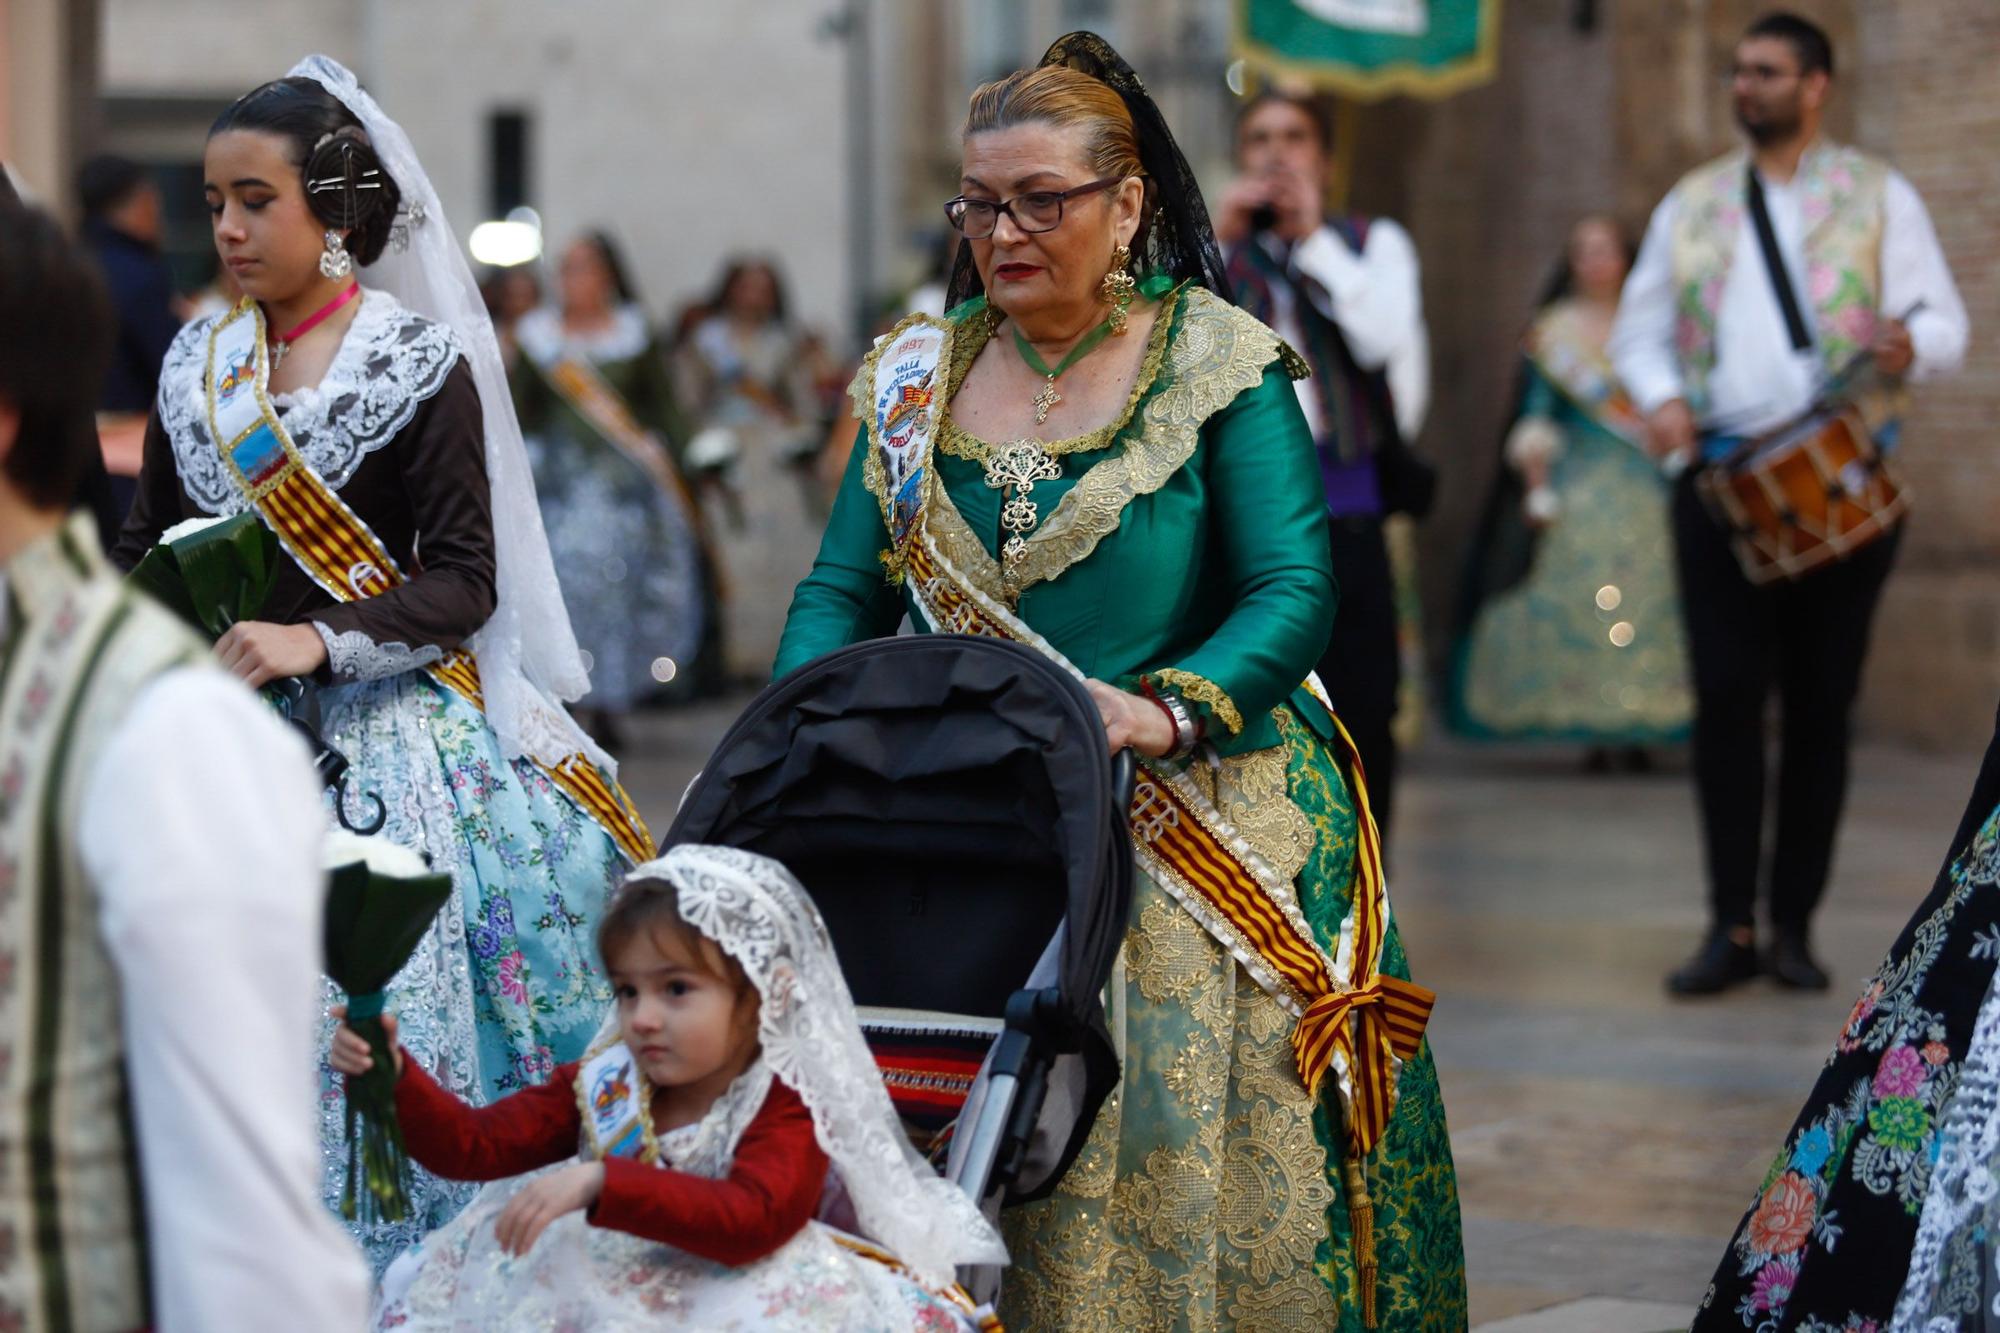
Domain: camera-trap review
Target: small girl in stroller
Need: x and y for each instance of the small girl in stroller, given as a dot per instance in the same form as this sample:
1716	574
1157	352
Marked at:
697	1135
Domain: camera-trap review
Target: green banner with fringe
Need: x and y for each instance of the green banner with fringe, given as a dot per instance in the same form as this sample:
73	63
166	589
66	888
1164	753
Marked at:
1368	49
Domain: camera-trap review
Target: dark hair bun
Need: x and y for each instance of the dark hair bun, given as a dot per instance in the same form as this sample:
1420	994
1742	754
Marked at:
347	188
345	184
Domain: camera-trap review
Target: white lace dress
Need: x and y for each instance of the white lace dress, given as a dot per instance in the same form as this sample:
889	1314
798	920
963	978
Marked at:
579	1276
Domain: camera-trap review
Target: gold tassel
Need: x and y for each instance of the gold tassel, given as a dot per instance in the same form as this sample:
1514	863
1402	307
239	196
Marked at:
893	567
1361	1221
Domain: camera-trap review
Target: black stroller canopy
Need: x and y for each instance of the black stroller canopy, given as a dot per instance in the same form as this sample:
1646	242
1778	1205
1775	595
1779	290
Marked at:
924	783
948	803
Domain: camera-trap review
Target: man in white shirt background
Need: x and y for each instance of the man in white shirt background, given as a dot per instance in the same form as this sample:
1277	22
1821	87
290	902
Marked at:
1708	350
1346	293
160	908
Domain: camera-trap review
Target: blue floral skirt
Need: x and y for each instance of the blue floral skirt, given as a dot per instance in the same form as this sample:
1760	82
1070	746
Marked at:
505	985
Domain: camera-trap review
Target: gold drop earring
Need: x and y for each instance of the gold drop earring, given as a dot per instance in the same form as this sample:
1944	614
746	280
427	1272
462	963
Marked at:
1117	288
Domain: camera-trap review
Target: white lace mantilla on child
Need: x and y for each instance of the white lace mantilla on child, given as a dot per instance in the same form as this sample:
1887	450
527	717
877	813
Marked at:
580	1276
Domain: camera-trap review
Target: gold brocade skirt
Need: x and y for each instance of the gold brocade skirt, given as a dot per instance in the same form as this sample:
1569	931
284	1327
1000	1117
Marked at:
1208	1195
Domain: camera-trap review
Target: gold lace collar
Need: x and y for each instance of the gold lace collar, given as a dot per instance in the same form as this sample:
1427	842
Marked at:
1209	352
975	333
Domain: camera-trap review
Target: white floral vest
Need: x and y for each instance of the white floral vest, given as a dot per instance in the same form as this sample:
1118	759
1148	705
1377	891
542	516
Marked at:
1841	202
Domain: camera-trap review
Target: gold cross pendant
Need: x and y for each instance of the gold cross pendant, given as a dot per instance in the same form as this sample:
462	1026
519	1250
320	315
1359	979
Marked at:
1045	400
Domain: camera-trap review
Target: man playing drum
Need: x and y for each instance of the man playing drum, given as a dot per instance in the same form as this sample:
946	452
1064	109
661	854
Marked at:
1765	275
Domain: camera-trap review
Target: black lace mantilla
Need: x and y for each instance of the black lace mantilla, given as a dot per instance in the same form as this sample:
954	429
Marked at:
1178	240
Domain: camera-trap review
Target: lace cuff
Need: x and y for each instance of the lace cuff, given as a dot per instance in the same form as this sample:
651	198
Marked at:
1200	693
353	656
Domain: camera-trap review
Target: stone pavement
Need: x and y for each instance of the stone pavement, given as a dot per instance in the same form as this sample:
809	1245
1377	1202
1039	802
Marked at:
1607	1138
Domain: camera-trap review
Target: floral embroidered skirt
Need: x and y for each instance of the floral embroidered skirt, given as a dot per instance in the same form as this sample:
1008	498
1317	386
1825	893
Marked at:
1901	1129
505	984
1209	1193
1548	659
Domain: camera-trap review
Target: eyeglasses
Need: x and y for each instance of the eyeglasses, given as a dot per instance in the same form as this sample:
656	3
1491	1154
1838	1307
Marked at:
1760	74
1036	211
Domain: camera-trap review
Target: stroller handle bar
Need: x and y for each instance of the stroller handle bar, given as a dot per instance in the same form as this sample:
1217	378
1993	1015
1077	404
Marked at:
1124	776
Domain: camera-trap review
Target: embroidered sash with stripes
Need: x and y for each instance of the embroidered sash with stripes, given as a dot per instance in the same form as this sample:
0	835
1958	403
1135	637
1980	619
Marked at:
1352	1021
896	394
337	549
582	386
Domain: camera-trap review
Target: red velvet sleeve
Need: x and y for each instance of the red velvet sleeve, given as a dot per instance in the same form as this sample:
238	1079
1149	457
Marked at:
532	1128
769	1195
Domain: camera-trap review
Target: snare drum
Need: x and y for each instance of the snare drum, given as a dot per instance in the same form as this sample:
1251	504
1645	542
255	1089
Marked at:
1805	495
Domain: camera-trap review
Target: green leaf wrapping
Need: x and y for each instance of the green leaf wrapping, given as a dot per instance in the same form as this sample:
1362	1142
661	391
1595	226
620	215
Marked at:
158	575
215	577
373	924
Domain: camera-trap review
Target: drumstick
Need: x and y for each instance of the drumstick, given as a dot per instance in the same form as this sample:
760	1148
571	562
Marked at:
1860	362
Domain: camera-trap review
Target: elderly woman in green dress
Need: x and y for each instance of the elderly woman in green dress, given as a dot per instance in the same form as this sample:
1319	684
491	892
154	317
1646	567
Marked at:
1096	454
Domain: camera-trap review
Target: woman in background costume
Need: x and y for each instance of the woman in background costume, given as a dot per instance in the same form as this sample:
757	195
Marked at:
603	432
752	382
1570	628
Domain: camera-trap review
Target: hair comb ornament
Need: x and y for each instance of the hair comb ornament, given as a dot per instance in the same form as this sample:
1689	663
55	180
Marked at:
335	168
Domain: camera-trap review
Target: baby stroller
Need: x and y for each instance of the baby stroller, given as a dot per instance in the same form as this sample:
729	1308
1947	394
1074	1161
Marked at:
949	804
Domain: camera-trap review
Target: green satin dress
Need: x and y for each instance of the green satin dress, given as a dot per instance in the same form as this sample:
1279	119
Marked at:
1185	546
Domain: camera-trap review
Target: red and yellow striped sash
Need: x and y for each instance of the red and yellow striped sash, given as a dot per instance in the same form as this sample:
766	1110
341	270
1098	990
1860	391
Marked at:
339	551
1362	1026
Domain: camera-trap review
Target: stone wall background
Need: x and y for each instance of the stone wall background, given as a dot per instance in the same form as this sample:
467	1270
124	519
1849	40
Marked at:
1609	117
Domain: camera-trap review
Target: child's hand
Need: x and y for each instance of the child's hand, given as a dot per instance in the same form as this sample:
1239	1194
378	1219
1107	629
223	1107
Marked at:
350	1053
545	1199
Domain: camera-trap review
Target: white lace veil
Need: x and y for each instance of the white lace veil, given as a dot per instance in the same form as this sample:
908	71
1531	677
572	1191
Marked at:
528	659
758	913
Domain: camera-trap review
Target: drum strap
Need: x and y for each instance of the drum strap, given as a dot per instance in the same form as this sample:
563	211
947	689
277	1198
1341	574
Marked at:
1774	264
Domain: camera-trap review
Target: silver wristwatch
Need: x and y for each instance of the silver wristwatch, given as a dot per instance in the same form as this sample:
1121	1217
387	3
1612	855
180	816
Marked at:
1186	736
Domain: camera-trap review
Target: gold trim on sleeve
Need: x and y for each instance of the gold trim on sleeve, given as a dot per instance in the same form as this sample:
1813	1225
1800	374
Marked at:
1201	690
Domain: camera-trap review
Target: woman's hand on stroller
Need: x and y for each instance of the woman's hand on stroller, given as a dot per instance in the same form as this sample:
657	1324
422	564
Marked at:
1132	721
544	1199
